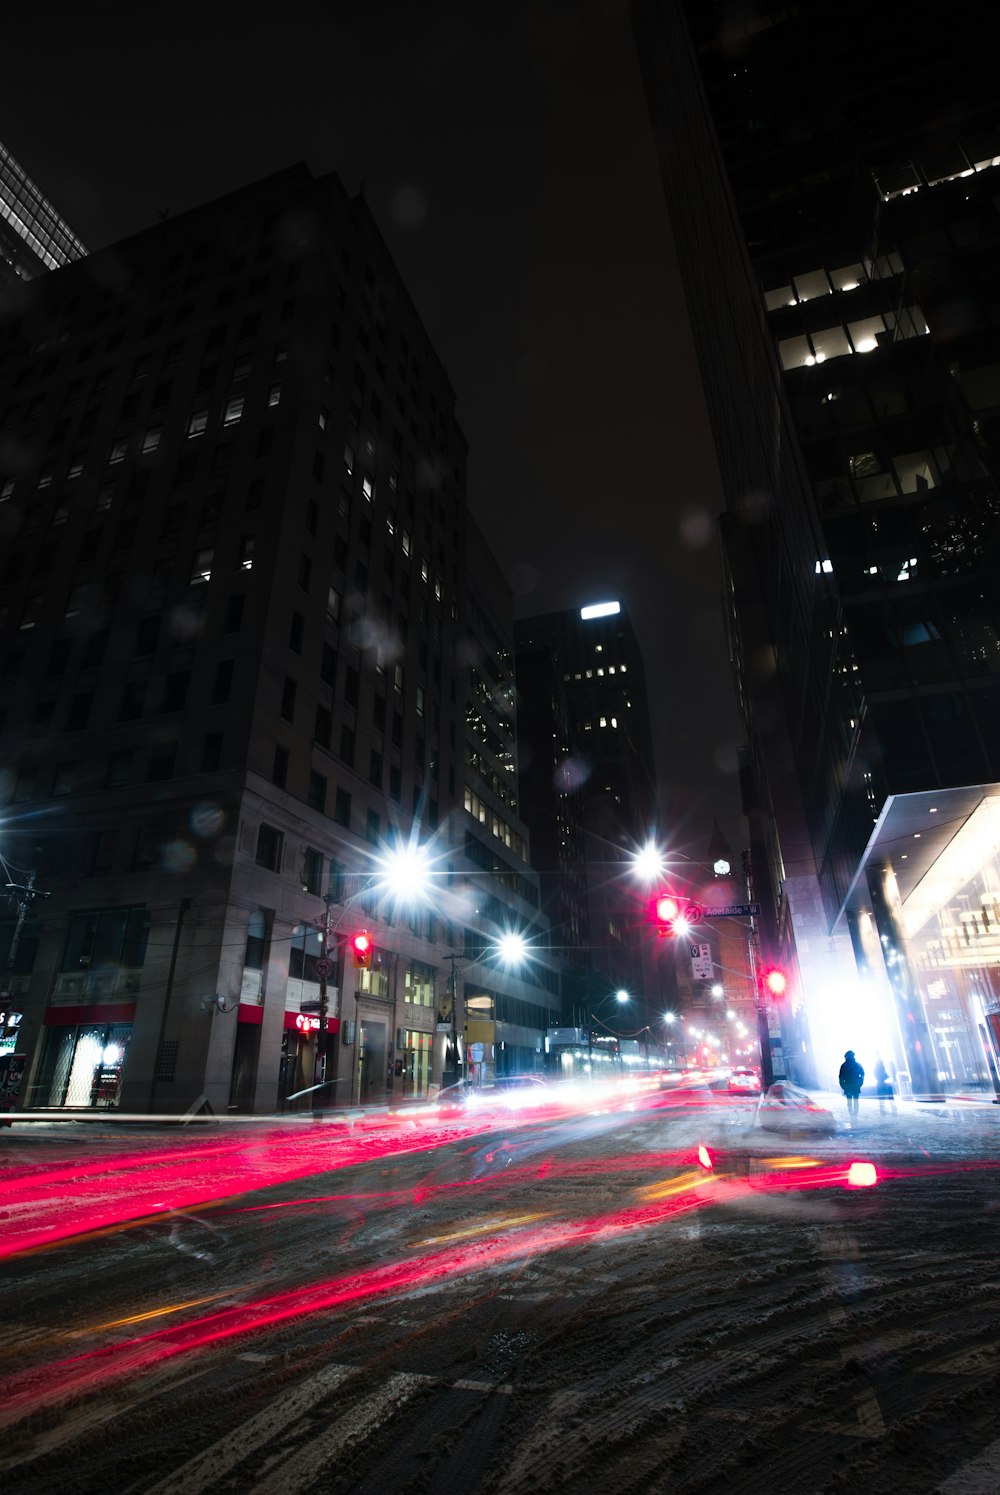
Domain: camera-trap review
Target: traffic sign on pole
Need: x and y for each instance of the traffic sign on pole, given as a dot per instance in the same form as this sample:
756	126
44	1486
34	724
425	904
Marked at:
734	911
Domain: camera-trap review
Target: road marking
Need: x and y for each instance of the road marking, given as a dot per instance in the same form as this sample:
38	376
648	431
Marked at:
290	1474
504	1387
221	1457
980	1476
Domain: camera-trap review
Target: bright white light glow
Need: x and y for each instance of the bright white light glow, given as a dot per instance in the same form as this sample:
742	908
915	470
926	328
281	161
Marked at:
622	996
405	871
512	947
861	1175
648	862
600	610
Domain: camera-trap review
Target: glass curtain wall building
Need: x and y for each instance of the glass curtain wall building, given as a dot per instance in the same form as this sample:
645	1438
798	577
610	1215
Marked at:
33	237
832	179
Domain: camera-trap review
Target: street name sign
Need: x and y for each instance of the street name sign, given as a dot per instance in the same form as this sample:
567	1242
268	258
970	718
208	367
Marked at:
734	911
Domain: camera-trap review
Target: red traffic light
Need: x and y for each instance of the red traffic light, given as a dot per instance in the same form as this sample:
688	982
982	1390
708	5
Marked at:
361	945
674	914
774	982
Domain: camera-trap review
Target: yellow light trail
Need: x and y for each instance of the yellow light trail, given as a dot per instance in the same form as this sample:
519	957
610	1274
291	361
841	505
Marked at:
509	1223
682	1184
155	1313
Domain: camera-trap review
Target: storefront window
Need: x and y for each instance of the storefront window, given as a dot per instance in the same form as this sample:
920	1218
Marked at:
417	1063
952	922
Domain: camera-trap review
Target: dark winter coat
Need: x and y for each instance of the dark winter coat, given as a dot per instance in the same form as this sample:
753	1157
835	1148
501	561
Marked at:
851	1077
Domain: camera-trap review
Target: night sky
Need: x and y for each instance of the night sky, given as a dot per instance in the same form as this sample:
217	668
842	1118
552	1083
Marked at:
506	155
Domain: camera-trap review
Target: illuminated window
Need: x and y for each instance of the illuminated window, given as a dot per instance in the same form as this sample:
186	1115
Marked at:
246	552
151	440
197	422
367	488
118	450
233	411
202	569
808	287
864	334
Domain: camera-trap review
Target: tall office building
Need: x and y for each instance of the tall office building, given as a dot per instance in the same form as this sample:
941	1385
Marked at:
242	615
589	787
33	237
832	182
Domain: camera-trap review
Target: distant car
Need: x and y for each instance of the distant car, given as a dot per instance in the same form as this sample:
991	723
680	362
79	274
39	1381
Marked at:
744	1082
511	1092
786	1107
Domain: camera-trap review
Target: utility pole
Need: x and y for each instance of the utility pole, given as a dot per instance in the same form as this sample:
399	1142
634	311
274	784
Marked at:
323	968
452	1069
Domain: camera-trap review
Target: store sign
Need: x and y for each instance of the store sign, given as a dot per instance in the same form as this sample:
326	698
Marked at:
305	1023
9	1019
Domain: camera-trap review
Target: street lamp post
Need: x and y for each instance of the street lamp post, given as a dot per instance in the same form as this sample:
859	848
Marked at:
621	997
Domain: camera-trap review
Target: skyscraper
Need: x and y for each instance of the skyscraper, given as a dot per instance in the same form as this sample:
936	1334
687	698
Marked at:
237	649
588	789
831	178
33	237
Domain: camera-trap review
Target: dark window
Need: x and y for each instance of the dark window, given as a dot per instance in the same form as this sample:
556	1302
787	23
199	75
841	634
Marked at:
106	937
256	947
234	613
375	768
306	948
347	745
119	770
176	692
269	845
223	682
211	752
342	808
295	633
351	683
373	825
161	761
132	699
305	572
79	712
58	656
317	792
395	784
288	699
147	634
328	664
312	516
312	871
279	773
323	728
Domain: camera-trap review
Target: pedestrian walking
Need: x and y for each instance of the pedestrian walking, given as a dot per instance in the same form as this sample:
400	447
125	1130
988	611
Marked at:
851	1078
883	1086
